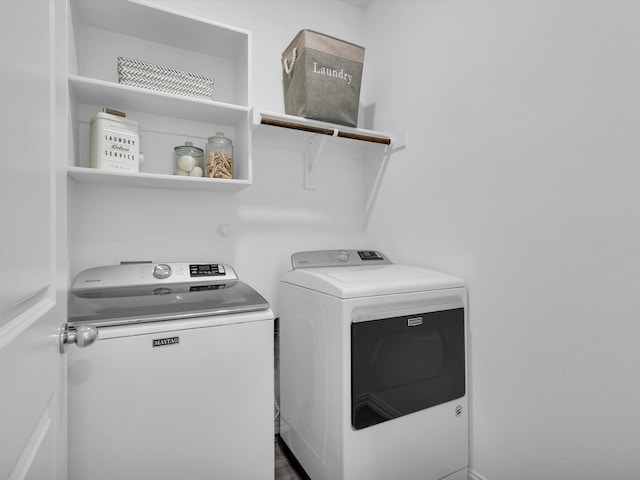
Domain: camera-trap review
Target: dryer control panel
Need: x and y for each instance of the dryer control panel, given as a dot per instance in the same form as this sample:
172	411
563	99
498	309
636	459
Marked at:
334	258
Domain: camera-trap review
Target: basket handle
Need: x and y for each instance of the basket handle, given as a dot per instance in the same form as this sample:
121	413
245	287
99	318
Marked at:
288	67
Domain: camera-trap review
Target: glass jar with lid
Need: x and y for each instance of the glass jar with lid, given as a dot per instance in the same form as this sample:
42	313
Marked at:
219	157
189	160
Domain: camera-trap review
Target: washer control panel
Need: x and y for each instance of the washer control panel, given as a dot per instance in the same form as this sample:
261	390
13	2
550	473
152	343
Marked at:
147	273
206	269
335	258
369	255
162	271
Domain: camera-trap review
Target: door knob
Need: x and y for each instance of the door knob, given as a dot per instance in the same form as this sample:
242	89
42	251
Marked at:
82	336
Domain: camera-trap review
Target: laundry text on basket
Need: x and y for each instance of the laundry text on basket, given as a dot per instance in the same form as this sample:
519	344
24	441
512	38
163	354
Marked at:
332	72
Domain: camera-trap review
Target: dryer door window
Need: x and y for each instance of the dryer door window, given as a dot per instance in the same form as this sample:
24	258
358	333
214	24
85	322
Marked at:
401	365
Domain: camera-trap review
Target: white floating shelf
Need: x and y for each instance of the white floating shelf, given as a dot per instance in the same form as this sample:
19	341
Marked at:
322	128
154	180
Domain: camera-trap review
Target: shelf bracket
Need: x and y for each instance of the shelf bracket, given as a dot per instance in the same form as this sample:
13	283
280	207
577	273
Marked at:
314	150
320	131
399	143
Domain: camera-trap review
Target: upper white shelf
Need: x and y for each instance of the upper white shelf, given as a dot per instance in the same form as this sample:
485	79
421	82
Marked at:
124	97
102	31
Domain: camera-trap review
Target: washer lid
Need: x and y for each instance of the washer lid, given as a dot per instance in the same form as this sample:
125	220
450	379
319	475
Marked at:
117	306
147	292
371	280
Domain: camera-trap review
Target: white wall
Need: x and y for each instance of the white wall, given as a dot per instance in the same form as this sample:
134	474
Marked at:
522	176
269	220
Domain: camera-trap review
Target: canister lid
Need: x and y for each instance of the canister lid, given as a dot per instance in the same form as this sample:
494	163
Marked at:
188	148
115	118
220	138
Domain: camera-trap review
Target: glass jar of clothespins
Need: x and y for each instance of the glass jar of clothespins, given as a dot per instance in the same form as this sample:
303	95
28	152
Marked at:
219	157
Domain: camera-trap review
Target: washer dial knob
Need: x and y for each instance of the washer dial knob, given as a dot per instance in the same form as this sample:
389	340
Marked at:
162	271
343	255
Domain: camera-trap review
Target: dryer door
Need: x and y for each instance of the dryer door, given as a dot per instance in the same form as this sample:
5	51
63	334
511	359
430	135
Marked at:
403	364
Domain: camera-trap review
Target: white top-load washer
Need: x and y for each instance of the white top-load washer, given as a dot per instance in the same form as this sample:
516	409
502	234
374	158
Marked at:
179	383
373	368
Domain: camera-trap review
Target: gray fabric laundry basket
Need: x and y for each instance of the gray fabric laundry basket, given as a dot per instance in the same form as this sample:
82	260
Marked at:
321	78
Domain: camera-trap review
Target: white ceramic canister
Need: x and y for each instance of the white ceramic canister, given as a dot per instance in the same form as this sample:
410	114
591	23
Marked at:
115	143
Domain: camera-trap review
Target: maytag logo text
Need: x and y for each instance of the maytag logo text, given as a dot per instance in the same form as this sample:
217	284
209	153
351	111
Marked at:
162	342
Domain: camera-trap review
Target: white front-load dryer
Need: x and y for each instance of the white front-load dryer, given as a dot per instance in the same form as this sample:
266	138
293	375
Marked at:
373	368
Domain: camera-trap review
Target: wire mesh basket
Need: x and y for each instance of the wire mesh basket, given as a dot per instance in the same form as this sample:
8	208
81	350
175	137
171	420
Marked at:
164	79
